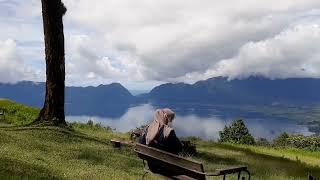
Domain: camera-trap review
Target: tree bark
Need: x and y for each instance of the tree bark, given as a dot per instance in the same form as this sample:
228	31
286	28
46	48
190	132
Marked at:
53	109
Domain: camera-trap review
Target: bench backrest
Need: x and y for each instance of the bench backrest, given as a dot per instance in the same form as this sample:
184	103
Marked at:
171	163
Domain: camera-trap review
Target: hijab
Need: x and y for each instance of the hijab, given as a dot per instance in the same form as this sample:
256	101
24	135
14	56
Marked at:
162	119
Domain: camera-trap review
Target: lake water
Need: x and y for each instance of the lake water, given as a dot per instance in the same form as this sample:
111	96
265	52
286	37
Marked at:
204	122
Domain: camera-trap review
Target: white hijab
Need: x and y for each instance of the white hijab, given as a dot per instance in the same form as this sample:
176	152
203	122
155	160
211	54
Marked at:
162	118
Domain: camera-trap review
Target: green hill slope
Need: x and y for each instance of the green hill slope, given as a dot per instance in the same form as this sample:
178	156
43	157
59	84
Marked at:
84	152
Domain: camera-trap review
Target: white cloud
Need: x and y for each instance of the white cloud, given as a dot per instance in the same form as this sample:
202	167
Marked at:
171	40
88	60
181	40
12	67
295	52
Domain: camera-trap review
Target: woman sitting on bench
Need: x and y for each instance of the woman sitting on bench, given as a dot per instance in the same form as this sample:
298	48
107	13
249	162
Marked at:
160	134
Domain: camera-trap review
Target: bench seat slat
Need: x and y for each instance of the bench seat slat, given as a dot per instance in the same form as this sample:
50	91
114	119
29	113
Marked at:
171	170
168	157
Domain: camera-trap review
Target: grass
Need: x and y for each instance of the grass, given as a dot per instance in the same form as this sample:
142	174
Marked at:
263	162
84	152
18	114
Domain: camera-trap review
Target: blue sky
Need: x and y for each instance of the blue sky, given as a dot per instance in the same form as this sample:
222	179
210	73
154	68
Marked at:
145	43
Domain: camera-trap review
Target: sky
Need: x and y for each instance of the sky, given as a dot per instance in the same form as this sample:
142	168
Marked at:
145	43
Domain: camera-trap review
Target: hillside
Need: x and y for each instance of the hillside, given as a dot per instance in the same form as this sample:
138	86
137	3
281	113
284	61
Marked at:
83	151
253	90
79	100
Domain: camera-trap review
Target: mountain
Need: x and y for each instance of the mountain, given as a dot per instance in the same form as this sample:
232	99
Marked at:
253	90
25	92
111	100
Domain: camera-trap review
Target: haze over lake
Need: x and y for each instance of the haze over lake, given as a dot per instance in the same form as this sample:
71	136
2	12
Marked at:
200	121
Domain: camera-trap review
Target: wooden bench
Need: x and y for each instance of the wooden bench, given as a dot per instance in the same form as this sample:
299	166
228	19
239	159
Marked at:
2	114
172	166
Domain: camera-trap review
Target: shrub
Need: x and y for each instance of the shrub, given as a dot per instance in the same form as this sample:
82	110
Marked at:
90	122
98	126
262	142
237	132
188	148
281	140
311	143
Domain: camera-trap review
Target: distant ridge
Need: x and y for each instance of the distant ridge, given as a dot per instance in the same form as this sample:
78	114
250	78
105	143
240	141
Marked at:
116	99
253	90
113	99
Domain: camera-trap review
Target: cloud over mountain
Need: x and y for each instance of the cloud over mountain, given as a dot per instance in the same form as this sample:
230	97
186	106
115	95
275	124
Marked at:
179	40
12	67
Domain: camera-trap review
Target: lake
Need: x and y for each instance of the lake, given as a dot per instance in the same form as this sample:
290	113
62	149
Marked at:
200	121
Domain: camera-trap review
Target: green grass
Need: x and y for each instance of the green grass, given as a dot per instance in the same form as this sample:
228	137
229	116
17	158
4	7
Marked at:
263	162
17	114
84	152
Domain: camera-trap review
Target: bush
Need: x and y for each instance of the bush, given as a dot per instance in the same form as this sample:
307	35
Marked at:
262	142
90	122
311	143
281	140
237	132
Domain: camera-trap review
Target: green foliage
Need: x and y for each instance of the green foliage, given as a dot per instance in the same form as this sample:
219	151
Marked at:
90	126
90	123
281	140
192	139
262	142
237	133
311	143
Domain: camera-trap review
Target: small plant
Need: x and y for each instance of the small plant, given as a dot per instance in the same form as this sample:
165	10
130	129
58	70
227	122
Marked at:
281	140
262	142
189	148
90	122
237	133
98	126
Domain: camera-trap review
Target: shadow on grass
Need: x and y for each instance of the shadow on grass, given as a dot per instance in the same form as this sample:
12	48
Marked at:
69	135
267	164
11	169
213	158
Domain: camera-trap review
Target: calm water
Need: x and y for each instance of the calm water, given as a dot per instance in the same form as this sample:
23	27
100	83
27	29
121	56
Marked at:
204	122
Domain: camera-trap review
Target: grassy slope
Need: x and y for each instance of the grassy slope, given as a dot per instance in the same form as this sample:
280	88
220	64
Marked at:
84	152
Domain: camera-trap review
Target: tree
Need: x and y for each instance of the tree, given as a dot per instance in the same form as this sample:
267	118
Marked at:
53	109
237	132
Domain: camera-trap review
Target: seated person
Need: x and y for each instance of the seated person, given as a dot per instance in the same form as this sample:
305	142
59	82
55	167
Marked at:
160	134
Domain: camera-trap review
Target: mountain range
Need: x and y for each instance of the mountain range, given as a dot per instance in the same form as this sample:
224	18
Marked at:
115	99
253	90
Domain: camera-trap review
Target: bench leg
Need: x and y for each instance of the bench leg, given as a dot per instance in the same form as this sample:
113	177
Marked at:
249	175
224	177
144	175
239	175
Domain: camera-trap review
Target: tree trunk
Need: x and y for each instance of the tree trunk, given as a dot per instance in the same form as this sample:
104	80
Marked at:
53	109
